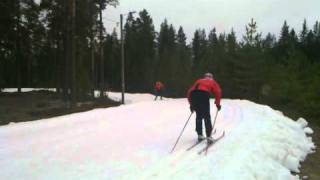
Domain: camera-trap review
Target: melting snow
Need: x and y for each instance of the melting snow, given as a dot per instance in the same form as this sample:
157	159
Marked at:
133	141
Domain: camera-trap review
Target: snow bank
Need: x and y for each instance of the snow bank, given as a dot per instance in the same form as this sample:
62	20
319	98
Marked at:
11	90
131	98
263	145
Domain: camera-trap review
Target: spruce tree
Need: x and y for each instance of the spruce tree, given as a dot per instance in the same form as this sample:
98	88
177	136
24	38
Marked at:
199	47
146	51
139	52
304	32
183	65
247	75
168	59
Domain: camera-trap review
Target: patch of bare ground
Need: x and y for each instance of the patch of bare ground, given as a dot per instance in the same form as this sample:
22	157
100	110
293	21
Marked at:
35	105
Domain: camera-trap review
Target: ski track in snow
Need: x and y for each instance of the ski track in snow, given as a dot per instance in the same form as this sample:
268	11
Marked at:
133	141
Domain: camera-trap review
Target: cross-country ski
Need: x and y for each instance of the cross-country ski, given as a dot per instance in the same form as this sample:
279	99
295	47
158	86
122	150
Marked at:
205	149
199	141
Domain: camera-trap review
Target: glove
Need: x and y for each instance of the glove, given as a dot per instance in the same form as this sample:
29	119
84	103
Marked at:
218	107
191	109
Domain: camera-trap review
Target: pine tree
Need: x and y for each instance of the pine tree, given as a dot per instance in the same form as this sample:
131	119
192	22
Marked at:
146	51
316	47
112	51
167	60
252	38
199	47
231	42
163	38
212	54
284	45
130	47
7	43
139	51
181	37
183	66
227	62
196	46
284	35
212	38
304	32
269	42
247	75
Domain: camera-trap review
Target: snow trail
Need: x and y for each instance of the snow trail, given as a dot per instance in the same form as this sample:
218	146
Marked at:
133	142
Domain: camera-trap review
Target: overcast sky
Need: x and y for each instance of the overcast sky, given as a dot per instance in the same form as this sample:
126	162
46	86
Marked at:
222	14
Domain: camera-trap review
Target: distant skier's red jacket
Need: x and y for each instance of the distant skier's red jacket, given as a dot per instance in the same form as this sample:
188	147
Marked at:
208	85
159	86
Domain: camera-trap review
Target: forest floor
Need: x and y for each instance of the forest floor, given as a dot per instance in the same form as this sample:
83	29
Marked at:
36	105
310	167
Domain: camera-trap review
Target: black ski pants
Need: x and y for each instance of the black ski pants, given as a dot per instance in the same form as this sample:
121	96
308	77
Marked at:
201	104
158	93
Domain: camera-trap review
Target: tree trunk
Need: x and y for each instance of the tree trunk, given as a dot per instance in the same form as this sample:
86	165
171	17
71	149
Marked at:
58	64
65	64
18	46
30	84
73	50
92	50
101	54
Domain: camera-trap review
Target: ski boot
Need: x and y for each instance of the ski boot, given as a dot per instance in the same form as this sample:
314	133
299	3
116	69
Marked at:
209	140
200	138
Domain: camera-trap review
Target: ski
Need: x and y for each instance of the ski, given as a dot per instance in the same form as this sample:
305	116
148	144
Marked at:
194	145
198	142
205	149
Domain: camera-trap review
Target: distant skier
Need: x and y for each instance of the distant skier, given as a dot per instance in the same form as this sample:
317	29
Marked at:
159	87
199	99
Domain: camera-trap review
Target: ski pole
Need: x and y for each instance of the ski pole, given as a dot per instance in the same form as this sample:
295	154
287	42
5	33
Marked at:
215	119
181	133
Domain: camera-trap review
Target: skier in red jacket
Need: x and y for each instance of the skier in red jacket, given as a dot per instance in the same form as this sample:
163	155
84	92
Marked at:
159	87
199	100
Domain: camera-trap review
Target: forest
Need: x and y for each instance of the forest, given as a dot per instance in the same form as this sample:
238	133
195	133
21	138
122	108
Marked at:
63	44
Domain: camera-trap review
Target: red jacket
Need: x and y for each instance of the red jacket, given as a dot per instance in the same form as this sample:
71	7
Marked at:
207	85
159	86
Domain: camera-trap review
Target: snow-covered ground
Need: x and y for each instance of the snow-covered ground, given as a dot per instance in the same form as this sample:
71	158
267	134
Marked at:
11	90
133	141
